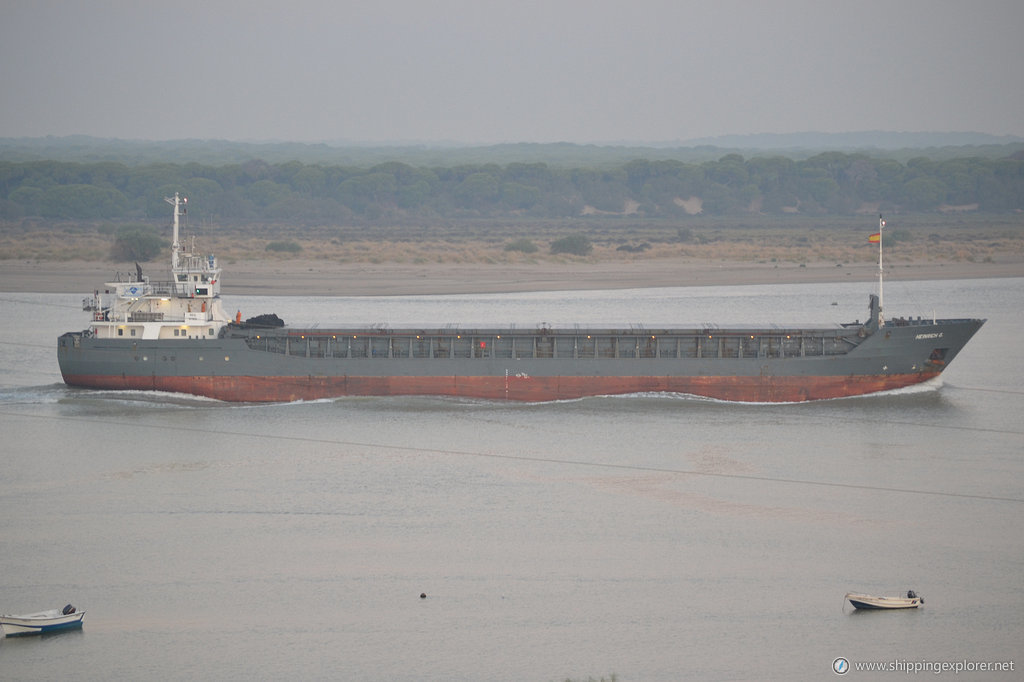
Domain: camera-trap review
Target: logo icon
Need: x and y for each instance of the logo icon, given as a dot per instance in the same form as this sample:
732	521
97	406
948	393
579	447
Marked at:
840	666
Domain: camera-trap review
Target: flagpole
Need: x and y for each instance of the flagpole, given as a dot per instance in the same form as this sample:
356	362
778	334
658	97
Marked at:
881	302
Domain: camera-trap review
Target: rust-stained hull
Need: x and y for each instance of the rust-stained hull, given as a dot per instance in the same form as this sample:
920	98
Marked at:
285	388
777	364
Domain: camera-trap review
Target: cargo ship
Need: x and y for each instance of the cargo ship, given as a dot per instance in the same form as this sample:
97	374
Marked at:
176	336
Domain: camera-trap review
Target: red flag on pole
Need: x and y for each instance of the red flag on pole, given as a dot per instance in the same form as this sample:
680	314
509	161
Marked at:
875	238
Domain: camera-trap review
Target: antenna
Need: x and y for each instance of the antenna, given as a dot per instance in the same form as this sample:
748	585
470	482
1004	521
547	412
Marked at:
179	210
881	301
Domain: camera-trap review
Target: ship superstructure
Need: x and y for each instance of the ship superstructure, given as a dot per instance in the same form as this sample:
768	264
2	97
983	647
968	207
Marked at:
188	306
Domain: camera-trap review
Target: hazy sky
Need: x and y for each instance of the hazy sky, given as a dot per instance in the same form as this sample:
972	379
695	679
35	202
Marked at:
508	71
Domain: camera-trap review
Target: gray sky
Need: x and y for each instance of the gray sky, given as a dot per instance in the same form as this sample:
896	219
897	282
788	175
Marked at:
480	71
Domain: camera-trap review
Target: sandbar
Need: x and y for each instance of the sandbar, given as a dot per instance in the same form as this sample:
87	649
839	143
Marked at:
326	278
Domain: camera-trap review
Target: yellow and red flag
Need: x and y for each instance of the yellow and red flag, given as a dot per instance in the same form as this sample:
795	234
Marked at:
875	238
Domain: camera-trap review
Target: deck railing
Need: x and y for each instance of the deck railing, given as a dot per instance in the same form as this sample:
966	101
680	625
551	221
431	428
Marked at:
520	346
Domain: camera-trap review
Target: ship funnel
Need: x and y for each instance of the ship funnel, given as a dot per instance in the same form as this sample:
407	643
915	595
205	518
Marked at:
875	314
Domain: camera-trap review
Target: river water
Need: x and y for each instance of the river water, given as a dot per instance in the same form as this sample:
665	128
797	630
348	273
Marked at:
649	537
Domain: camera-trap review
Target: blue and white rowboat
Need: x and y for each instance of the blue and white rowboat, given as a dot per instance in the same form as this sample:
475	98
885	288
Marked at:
53	620
867	601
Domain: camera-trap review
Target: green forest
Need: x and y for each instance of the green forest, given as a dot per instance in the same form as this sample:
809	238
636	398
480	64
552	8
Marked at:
394	192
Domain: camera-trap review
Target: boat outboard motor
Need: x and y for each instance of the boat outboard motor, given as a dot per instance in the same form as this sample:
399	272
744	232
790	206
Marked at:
68	610
913	595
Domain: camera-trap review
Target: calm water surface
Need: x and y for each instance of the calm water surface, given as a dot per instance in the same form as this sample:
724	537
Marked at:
654	537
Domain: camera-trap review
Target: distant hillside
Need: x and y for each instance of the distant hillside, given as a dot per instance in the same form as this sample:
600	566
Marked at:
866	140
833	183
897	146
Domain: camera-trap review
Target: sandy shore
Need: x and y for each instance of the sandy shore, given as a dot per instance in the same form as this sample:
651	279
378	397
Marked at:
320	278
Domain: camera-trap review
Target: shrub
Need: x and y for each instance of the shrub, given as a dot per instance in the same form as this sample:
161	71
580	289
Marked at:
136	242
524	245
577	245
284	247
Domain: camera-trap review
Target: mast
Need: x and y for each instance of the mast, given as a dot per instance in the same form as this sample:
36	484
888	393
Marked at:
179	210
881	300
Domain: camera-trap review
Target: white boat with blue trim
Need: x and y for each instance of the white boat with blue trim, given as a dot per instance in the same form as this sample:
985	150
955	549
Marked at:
54	620
867	601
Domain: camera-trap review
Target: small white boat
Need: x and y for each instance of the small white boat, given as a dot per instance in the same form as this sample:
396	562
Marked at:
867	601
53	620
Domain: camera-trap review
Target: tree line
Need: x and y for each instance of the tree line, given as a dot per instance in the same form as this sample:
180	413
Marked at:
831	183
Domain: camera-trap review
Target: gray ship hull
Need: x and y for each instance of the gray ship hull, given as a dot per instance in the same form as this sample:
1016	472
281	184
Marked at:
755	365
